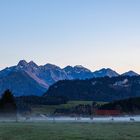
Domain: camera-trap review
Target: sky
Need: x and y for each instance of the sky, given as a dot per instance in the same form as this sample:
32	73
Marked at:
93	33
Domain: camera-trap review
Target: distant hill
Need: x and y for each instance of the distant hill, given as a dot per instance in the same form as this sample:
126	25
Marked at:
97	89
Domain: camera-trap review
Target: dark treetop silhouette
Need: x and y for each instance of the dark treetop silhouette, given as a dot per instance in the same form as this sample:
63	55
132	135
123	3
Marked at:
7	103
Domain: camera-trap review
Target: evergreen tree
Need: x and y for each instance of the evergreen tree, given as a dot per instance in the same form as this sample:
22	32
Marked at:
7	103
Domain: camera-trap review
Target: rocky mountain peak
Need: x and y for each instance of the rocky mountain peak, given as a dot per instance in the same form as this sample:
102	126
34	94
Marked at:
22	63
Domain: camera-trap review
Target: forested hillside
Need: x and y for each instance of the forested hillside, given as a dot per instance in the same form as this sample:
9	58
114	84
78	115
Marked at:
97	89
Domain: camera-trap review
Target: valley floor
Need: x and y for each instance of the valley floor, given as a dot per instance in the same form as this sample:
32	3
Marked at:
69	131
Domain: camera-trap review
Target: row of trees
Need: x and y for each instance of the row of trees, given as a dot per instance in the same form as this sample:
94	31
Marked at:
10	105
85	110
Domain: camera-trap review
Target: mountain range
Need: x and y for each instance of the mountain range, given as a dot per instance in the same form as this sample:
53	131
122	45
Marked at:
30	79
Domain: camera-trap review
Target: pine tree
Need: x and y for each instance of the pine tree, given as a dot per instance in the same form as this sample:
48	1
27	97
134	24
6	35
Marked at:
7	103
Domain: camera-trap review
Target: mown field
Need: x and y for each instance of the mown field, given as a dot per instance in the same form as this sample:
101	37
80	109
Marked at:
69	131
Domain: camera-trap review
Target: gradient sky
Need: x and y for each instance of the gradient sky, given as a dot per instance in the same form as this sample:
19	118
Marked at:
93	33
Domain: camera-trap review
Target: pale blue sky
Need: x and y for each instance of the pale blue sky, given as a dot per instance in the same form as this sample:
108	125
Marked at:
93	33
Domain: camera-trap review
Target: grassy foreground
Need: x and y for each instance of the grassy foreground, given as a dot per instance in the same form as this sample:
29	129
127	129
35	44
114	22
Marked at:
69	131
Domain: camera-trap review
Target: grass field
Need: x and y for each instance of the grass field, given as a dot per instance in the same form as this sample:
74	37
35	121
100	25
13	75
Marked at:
48	109
69	131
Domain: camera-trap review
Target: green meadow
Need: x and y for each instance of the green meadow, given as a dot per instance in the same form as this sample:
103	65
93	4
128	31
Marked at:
48	109
69	131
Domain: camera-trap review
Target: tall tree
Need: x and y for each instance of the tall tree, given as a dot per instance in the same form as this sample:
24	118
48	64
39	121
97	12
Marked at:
7	103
